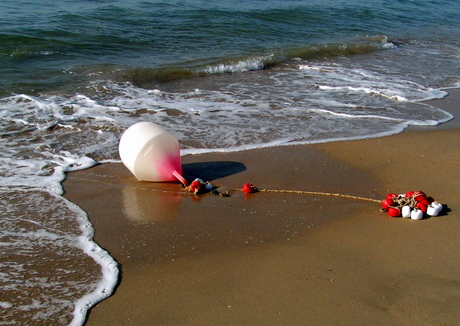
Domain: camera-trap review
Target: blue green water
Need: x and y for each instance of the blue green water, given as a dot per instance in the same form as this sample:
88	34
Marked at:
219	75
47	44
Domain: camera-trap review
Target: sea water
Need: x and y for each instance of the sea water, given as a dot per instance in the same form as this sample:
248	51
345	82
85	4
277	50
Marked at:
219	75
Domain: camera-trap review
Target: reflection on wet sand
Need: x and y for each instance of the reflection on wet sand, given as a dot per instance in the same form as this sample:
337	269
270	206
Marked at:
139	207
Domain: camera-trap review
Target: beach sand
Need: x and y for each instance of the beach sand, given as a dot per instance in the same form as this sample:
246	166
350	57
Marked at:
284	259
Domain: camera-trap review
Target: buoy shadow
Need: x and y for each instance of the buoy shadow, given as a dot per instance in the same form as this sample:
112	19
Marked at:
445	210
213	170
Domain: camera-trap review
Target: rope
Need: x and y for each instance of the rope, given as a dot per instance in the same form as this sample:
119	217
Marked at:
199	186
405	201
314	193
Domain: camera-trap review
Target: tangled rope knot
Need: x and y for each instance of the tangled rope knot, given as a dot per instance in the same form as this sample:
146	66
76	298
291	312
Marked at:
405	201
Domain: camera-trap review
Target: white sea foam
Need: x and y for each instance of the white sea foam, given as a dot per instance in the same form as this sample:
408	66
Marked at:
239	66
109	270
5	305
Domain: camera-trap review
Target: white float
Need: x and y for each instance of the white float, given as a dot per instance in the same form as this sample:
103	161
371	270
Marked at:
416	214
405	211
151	153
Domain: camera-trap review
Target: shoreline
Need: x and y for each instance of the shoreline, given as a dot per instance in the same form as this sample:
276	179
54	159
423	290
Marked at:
271	259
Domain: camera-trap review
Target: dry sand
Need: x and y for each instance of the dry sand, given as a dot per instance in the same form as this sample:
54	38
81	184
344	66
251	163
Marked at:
284	259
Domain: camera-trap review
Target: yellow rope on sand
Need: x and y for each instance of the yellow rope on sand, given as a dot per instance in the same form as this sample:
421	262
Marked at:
315	193
200	187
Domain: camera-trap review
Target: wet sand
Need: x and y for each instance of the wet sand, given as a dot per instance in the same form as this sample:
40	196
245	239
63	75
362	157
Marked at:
284	259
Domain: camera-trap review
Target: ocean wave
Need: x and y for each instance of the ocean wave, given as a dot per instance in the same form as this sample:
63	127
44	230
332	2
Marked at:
146	76
239	66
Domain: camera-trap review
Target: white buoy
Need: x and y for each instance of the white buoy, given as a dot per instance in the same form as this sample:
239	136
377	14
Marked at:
438	206
405	211
151	153
434	209
416	214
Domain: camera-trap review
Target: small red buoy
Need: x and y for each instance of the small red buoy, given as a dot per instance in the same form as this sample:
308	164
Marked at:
394	212
409	194
422	206
249	188
195	186
420	195
389	199
385	205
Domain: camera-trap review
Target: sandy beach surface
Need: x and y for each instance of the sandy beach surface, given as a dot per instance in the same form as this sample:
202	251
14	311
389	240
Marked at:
284	259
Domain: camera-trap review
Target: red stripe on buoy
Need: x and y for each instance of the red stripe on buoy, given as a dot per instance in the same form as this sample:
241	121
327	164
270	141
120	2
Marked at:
180	178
